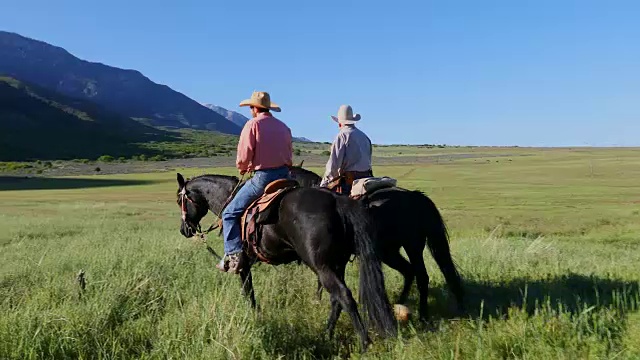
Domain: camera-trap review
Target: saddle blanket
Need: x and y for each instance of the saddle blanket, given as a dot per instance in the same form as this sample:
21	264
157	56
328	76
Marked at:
263	211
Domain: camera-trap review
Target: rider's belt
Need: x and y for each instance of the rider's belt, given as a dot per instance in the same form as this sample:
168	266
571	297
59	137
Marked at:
273	168
351	176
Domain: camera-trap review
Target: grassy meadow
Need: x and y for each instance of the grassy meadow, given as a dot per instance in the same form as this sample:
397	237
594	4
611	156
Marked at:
547	240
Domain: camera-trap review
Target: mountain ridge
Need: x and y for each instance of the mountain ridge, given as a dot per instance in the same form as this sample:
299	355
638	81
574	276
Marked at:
125	91
233	116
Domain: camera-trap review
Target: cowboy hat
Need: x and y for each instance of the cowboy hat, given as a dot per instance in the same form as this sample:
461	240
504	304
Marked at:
345	115
262	100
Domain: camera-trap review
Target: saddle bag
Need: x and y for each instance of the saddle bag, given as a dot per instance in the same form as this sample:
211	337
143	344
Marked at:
368	185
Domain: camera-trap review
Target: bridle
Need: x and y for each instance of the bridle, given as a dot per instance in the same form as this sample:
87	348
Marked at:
183	208
215	225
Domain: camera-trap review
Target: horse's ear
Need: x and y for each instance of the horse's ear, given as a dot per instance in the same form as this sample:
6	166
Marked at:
301	162
180	181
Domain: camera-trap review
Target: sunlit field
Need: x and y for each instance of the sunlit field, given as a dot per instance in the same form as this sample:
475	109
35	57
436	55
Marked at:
547	242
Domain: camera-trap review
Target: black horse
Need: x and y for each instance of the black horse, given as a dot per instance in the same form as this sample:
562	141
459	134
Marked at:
405	219
309	225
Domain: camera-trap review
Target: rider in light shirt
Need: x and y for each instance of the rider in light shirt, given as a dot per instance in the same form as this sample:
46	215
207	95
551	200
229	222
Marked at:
350	157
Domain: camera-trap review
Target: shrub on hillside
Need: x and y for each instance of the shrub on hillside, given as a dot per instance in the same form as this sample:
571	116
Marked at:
106	158
12	166
157	158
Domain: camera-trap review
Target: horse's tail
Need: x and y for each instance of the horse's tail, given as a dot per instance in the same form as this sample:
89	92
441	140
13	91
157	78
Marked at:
438	243
372	293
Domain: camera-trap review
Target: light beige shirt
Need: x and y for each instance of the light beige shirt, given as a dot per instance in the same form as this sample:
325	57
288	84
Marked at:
351	151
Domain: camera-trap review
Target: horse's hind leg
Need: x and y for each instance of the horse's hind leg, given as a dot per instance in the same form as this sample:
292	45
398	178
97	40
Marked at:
341	297
422	278
247	285
319	291
395	261
336	309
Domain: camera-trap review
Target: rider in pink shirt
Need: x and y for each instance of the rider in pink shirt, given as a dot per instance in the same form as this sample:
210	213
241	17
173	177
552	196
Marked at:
265	143
265	148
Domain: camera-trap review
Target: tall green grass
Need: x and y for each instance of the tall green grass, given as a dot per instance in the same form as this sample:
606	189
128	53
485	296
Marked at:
548	249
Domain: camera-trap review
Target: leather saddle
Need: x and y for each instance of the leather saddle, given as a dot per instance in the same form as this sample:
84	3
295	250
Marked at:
262	211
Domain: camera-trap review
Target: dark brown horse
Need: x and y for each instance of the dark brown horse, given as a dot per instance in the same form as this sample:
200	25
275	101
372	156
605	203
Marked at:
315	227
410	220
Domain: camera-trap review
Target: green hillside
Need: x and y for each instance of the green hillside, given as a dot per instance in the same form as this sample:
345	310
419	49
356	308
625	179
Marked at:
39	124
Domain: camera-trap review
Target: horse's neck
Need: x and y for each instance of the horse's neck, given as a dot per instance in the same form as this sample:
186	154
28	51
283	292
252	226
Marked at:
217	193
215	205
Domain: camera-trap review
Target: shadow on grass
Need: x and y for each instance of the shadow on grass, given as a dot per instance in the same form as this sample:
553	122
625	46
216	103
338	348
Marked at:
10	183
279	337
573	293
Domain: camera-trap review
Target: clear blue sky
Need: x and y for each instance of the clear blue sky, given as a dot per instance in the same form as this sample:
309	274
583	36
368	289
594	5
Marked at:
529	73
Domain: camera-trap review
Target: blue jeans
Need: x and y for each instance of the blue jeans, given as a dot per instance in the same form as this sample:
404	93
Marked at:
232	214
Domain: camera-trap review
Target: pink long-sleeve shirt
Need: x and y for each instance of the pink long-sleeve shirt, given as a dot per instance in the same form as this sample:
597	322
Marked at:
265	143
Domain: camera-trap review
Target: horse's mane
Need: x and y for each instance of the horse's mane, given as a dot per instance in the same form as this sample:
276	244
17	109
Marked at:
212	177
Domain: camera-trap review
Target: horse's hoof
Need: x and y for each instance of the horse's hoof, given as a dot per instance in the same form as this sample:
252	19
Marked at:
460	310
327	336
365	346
401	312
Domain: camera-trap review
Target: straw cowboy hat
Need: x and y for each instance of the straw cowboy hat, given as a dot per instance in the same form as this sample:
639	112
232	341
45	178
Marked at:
262	100
345	116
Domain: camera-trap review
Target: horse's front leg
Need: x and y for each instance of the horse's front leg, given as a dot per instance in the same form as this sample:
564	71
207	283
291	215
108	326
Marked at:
247	284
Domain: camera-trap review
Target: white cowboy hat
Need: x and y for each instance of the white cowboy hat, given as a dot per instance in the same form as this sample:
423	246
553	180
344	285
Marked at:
345	115
262	100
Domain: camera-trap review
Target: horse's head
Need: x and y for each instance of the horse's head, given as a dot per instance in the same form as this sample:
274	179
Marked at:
306	178
192	205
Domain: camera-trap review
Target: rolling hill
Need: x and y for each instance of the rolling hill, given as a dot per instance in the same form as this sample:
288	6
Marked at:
126	92
36	123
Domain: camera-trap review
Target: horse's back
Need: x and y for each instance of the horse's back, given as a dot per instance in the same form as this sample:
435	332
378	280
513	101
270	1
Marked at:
398	212
397	197
312	222
309	207
308	199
